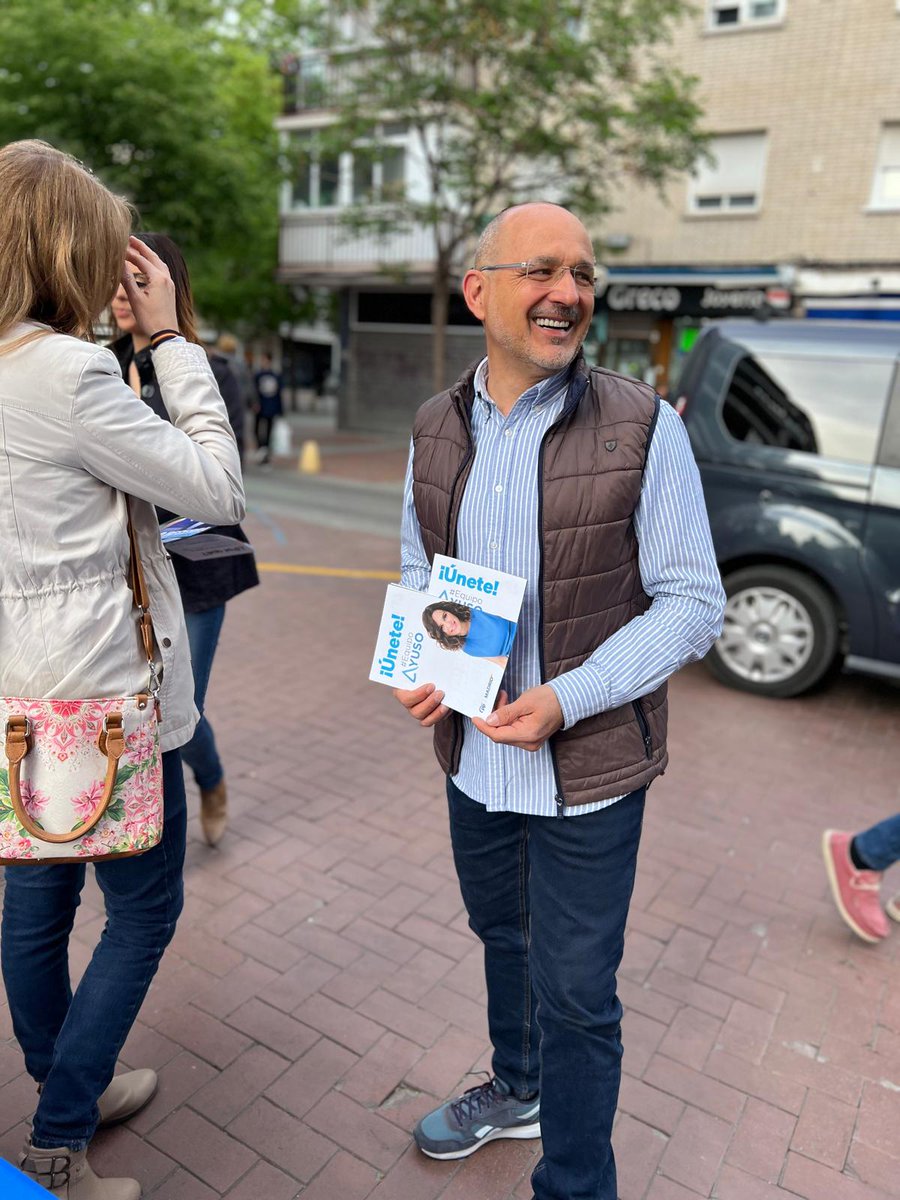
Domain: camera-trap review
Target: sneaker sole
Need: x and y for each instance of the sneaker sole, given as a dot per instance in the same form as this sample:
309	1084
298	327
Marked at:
892	908
526	1131
871	938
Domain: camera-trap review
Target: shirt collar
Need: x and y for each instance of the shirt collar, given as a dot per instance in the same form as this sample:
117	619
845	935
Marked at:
534	397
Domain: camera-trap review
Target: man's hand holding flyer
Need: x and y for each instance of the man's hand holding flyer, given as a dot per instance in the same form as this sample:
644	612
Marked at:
457	635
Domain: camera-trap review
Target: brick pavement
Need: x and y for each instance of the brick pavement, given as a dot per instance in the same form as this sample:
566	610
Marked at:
323	990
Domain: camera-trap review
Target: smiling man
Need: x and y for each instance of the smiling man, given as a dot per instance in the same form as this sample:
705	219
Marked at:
583	482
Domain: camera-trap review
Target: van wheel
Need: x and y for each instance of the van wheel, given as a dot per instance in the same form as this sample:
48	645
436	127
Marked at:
780	635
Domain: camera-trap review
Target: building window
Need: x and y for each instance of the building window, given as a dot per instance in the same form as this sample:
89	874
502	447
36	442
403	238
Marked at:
743	14
886	181
316	175
733	181
371	174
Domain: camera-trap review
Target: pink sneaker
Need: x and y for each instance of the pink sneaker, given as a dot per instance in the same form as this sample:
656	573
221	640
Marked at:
892	908
855	892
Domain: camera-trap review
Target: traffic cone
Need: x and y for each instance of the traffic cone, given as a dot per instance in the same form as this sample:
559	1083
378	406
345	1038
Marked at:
310	461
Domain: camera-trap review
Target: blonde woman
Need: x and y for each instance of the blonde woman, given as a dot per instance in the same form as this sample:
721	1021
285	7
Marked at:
74	438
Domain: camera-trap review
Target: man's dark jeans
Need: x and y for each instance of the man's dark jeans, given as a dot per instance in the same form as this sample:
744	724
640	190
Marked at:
71	1043
549	897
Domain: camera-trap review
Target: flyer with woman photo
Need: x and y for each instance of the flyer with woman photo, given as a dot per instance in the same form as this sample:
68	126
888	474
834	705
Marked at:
457	635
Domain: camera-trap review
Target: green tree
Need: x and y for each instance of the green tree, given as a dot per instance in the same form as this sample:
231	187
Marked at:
508	101
172	103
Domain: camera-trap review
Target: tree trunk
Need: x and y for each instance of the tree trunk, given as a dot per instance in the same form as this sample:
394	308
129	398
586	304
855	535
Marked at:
440	301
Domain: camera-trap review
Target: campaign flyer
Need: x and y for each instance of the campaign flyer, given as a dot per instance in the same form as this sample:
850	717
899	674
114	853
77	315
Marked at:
457	635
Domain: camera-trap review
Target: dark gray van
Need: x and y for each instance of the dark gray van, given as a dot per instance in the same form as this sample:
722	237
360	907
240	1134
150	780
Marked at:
796	430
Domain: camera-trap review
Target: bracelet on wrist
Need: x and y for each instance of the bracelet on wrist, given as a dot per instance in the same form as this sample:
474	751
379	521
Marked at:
161	336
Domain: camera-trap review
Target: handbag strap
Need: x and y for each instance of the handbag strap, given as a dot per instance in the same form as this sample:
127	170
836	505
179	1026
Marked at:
138	585
111	742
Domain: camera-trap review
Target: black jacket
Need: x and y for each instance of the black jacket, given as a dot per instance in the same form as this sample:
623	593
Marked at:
213	581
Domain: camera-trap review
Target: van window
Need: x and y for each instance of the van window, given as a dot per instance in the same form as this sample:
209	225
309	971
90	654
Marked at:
828	406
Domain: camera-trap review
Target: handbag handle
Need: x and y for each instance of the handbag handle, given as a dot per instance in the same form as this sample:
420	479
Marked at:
111	742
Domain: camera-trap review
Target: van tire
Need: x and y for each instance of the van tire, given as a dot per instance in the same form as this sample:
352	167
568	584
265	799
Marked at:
803	615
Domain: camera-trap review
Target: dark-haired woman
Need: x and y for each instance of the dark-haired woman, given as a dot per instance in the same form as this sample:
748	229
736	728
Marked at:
207	584
456	626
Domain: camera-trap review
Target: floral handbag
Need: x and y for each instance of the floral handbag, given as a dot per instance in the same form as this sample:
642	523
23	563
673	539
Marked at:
82	779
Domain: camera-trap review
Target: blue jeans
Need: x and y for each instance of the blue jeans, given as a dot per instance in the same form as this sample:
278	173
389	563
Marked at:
879	847
549	899
200	752
71	1043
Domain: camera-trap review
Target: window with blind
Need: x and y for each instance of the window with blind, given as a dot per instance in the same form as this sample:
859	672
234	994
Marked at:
886	180
733	181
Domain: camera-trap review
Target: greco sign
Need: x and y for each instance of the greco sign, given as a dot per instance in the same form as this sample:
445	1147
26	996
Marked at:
690	300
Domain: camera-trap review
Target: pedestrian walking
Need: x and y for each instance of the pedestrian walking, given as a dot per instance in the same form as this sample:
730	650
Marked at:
855	863
268	405
227	347
75	442
206	584
581	481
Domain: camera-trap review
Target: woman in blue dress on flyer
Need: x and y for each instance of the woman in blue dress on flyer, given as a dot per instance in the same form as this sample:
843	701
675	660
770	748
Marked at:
456	626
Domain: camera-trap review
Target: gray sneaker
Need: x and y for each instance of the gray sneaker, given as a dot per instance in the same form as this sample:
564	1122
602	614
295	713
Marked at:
481	1114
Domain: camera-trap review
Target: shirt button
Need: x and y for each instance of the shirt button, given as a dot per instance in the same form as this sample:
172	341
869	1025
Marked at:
507	433
167	642
495	545
498	488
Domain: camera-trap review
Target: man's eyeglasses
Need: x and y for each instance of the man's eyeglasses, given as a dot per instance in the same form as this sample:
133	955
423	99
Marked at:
549	271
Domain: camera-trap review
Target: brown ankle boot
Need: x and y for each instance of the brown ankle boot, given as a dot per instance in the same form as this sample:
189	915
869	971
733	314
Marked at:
214	812
126	1095
67	1174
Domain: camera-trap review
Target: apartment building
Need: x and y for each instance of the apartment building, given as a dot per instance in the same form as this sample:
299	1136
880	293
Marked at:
381	284
799	207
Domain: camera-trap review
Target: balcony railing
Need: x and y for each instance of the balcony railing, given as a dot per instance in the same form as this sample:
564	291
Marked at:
323	242
315	82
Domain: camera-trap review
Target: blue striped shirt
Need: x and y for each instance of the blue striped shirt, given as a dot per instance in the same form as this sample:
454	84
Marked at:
498	528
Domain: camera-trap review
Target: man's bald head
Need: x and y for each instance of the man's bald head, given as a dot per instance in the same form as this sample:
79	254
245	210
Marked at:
492	237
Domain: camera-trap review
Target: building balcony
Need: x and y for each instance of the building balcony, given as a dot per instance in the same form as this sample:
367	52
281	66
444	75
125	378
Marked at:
315	82
320	250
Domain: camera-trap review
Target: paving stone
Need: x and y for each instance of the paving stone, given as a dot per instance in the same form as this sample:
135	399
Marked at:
814	1181
265	1182
342	1178
878	1125
638	1149
691	1037
273	1028
280	1138
358	1129
206	1036
312	1077
341	1024
375	1076
206	1151
181	1185
761	1140
179	1079
695	1151
230	1091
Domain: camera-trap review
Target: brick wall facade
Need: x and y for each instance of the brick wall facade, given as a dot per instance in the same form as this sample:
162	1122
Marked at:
821	84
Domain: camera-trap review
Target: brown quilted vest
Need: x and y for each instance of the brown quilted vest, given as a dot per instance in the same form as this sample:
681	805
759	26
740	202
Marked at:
591	466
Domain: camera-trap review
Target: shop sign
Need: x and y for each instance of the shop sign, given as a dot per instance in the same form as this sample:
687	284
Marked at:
691	300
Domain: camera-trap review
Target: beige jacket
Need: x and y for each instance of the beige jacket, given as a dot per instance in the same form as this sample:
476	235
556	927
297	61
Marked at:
73	437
